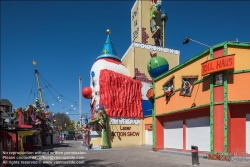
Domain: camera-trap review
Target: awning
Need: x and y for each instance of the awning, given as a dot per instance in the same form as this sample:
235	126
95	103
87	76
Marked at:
25	133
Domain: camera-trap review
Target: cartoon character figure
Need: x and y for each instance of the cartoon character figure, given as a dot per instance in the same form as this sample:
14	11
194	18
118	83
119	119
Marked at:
155	18
168	90
187	86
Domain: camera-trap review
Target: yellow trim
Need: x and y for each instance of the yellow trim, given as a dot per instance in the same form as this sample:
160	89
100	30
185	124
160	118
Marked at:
25	133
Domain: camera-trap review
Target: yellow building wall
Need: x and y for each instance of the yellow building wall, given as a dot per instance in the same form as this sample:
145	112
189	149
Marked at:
129	62
127	139
145	20
238	86
148	120
142	57
200	92
242	57
194	68
136	22
178	102
97	142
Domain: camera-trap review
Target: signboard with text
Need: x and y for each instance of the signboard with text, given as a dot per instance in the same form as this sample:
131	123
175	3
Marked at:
125	131
218	64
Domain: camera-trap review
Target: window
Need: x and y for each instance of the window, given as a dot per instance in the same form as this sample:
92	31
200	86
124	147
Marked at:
168	87
187	85
218	79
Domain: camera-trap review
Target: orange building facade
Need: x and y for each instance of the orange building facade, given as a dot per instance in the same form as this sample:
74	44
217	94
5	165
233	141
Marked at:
209	106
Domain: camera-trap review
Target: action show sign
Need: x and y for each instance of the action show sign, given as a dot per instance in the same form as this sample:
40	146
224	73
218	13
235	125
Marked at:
125	133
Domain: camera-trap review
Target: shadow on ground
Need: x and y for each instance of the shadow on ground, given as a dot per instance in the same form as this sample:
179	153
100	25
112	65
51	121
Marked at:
51	147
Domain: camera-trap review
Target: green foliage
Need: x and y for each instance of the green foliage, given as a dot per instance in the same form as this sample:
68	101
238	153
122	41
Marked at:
64	121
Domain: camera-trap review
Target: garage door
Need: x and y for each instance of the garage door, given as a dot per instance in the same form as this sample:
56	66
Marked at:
149	137
173	135
248	134
198	133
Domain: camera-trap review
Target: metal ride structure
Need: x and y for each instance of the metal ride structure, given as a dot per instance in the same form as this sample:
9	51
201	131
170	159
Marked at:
43	120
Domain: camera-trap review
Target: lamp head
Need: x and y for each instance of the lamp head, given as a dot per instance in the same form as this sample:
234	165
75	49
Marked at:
186	40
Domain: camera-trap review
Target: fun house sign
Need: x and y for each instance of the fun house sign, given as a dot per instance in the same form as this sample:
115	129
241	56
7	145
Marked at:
218	64
123	133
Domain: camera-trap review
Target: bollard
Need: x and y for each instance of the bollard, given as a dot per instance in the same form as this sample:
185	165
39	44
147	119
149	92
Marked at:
195	156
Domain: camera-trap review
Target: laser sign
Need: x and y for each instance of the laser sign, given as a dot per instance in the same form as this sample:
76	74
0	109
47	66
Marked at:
217	64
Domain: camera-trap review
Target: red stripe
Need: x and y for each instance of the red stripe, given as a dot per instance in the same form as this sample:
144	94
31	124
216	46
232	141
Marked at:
194	151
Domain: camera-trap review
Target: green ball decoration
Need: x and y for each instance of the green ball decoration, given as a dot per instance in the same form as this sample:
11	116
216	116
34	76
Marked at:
156	62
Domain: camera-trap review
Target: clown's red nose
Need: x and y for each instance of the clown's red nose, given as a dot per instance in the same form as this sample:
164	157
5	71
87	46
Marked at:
87	92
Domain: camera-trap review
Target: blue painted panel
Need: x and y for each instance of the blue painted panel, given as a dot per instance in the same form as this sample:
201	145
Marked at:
147	108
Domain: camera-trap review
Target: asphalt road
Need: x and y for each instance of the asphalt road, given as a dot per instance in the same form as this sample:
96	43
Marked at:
138	156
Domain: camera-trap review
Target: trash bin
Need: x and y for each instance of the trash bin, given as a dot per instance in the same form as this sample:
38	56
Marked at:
195	156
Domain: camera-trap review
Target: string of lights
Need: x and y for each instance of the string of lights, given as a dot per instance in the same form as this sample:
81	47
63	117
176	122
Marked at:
57	101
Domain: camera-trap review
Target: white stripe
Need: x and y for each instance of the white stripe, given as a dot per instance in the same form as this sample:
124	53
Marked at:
125	54
134	5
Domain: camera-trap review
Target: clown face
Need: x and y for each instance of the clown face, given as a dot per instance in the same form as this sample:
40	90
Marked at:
102	64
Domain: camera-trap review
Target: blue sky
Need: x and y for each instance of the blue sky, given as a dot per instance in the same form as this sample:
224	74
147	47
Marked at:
64	38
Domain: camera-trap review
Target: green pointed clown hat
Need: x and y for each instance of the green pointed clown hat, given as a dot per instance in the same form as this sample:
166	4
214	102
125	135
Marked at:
108	50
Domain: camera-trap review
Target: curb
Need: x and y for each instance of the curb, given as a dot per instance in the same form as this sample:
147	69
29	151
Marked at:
182	153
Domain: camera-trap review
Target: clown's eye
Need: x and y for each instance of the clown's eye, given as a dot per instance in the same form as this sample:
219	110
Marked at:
92	73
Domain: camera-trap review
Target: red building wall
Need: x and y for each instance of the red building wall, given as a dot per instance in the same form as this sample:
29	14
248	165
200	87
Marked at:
237	127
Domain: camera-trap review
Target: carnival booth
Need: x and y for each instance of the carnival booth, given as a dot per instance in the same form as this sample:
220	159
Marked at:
34	126
24	129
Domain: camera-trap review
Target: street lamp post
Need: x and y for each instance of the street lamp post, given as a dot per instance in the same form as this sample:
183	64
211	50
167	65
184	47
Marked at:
187	39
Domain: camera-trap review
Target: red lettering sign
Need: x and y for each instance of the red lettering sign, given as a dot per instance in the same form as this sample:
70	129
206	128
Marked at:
125	128
125	133
218	64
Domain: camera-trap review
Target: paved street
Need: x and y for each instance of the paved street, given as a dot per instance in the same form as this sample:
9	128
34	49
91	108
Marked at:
140	156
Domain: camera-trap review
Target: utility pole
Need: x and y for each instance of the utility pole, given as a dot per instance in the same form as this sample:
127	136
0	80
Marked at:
80	101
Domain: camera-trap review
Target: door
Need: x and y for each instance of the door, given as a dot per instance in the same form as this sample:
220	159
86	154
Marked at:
198	133
173	134
149	137
248	133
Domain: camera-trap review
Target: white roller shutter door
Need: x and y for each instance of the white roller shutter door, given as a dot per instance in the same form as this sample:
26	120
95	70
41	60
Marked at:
198	133
149	137
173	135
248	133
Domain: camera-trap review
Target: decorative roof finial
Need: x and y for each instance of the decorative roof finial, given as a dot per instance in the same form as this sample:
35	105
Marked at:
108	31
108	50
